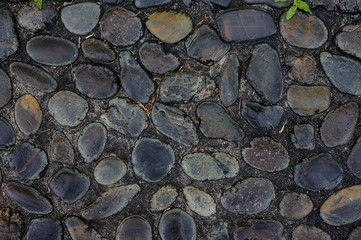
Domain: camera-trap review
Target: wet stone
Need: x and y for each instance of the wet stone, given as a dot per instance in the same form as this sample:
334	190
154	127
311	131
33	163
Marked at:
303	30
303	69
156	60
344	73
305	232
125	117
135	81
27	161
177	224
295	206
163	198
110	202
303	136
68	108
28	115
92	141
28	198
150	3
220	232
152	159
222	3
319	172
216	123
173	123
11	224
261	117
120	27
80	18
33	76
95	81
5	88
349	39
339	126
307	101
205	45
355	235
52	51
60	149
267	155
79	230
203	166
109	170
353	161
250	25
70	185
269	86
260	229
228	80
98	51
44	229
7	136
169	26
271	3
199	201
251	196
134	227
8	39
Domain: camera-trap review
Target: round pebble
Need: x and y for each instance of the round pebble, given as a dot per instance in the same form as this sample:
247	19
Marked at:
98	51
306	232
7	136
109	170
5	88
199	201
28	115
295	205
44	229
134	227
92	141
303	136
177	224
163	198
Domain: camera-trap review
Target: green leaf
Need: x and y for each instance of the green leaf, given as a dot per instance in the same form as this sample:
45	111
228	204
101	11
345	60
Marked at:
303	6
39	3
291	12
281	0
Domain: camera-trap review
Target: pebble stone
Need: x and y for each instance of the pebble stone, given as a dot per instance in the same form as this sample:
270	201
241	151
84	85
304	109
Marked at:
44	229
163	198
152	159
228	80
199	201
5	88
355	234
353	162
271	3
220	232
79	230
92	141
303	69
260	229
306	232
70	185
27	161
11	224
177	224
250	196
98	50
295	206
109	170
61	150
68	108
28	198
28	115
9	42
134	227
349	39
151	3
216	123
52	51
120	27
303	136
319	172
7	136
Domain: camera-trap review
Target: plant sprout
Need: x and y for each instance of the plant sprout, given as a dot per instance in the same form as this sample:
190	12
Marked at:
296	4
39	3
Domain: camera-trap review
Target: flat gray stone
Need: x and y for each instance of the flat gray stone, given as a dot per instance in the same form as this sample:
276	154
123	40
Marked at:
199	201
303	136
306	232
150	3
163	198
60	149
8	39
260	229
353	161
271	3
11	225
44	229
349	39
134	227
229	79
98	51
109	170
295	206
28	115
5	88
177	224
7	136
79	230
92	141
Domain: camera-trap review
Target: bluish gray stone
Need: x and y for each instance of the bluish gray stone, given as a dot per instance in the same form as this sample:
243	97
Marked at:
177	224
303	136
5	88
60	149
260	229
98	51
7	136
134	227
353	161
92	141
229	79
271	3
150	3
8	39
109	170
79	230
44	229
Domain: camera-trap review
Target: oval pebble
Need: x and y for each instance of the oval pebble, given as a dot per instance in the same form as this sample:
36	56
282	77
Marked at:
260	229
134	227
349	39
109	170
44	229
60	149
11	223
28	115
92	141
79	230
98	51
295	206
303	136
9	42
199	201
177	224
353	161
163	198
7	136
228	80
306	232
152	3
5	88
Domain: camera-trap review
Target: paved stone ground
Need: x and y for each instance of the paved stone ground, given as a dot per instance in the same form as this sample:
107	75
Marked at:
170	119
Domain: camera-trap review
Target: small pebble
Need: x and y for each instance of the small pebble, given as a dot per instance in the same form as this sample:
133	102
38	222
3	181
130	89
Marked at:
7	136
79	230
60	149
92	141
177	224
11	224
199	201
5	88
353	161
134	227
295	206
306	232
163	198
44	229
228	80
28	115
260	229
9	42
303	136
109	170
98	51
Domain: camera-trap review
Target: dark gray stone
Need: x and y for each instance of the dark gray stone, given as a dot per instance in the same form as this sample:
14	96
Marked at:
349	39
134	227
260	229
150	3
353	161
109	170
177	224
229	79
28	115
7	136
98	51
271	3
60	149
295	206
8	39
220	232
79	230
355	235
303	69
306	232
303	136
5	88
351	6
11	225
92	141
163	198
44	229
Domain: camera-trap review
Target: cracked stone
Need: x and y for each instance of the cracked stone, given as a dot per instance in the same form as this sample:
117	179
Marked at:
7	136
199	201
60	149
134	227
177	224
228	80
28	115
5	88
44	229
98	51
295	206
303	136
260	229
163	198
92	141
109	170
8	39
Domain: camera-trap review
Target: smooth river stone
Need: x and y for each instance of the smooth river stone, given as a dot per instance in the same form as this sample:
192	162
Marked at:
229	79
5	88
80	18
68	108
135	81
152	159
70	185
79	230
92	141
27	161
33	76
98	50
95	81
319	172
355	234
303	30
251	196
199	201
7	136
44	229
216	123
303	69
11	225
28	115
338	126
353	161
177	224
295	206
306	232
271	3
134	227
205	45
203	166
109	170
260	229
344	73
349	39
308	101
245	24
110	202
303	136
169	26
175	124
60	149
269	86
163	198
28	198
8	39
267	155
150	3
184	87
125	117
121	27
52	51
156	60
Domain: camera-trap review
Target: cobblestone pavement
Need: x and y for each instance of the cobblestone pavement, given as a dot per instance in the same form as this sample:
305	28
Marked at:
180	119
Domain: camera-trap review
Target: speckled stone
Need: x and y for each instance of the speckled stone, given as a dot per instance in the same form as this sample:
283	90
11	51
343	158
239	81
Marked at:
150	3
295	205
173	123
134	227
98	51
79	230
220	232
303	136
11	225
260	229
163	198
199	201
60	149
28	198
271	3
44	229
306	232
68	108
8	39
5	88
27	161
355	234
303	69
216	123
109	170
250	196
28	115
228	79
92	141
52	51
353	161
177	224
319	172
349	39
7	136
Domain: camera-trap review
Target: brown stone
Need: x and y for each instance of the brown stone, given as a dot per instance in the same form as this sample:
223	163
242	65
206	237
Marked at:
303	69
28	114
